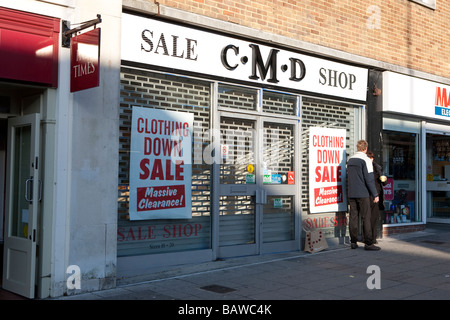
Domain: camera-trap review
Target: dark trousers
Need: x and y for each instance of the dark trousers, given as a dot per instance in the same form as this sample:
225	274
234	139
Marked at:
374	217
361	207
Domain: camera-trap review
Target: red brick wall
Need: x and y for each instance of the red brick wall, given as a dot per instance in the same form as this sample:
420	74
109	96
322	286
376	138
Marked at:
399	32
393	230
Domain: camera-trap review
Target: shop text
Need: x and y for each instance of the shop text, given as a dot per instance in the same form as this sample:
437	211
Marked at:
441	98
160	178
442	102
327	169
333	78
153	198
82	69
205	53
328	195
325	222
169	48
154	232
328	157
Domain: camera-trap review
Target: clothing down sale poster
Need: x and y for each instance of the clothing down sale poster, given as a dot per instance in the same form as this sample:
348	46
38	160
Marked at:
327	170
160	164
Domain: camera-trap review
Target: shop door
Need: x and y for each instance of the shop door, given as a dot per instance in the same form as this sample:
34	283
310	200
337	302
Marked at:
21	205
437	176
257	210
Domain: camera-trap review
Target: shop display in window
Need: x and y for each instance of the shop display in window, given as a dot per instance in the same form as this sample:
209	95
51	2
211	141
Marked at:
438	176
399	166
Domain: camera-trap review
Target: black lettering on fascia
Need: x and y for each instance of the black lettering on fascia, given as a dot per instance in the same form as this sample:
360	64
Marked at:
271	64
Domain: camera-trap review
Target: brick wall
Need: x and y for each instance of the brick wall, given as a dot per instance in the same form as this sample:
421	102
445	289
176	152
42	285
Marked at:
399	32
390	231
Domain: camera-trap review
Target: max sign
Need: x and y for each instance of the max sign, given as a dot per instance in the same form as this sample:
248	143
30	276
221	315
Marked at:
418	97
442	102
84	61
160	164
156	43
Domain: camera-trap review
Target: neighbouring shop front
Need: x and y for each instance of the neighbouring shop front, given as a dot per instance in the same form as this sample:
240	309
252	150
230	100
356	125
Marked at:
29	76
416	152
215	134
53	181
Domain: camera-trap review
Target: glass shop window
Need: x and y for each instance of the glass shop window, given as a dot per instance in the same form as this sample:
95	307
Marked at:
401	167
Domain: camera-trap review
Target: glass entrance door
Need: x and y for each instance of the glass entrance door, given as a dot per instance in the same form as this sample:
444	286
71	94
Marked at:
259	184
21	205
400	158
438	177
239	216
258	191
279	167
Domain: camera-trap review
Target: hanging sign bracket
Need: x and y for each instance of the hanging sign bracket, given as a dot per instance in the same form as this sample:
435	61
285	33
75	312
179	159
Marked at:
67	32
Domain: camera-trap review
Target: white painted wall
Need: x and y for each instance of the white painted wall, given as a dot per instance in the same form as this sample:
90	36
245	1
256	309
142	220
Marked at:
91	223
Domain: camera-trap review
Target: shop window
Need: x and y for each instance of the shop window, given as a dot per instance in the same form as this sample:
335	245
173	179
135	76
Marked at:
239	136
279	103
400	166
237	97
237	220
278	148
160	91
279	219
327	114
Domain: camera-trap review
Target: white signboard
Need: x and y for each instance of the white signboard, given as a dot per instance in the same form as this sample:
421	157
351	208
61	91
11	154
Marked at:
157	43
160	164
414	96
327	170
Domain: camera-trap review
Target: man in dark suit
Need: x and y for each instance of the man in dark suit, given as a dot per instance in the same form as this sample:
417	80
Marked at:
360	192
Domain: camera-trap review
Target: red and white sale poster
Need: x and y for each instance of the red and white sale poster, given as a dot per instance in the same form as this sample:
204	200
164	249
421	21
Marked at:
160	164
327	170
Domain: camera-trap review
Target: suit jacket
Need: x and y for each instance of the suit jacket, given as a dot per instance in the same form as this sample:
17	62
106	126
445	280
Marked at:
377	173
360	179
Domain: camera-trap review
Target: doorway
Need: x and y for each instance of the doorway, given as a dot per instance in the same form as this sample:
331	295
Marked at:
20	186
259	199
3	142
22	196
438	177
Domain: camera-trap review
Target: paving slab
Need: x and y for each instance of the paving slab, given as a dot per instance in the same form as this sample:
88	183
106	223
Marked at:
411	266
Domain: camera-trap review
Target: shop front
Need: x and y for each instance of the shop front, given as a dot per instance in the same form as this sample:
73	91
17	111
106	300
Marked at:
214	150
54	201
415	152
29	75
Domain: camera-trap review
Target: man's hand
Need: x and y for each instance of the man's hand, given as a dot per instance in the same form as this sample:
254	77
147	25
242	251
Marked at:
376	199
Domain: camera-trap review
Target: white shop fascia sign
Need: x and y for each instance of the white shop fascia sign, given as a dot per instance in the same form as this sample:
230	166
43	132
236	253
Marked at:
156	43
416	97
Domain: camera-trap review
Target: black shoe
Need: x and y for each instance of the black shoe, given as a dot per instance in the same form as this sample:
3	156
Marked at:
354	246
372	247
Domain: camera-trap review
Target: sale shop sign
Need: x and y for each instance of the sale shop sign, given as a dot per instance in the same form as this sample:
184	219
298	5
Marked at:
327	170
160	164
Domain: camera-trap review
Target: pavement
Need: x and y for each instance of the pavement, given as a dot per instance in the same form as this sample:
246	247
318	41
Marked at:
412	266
